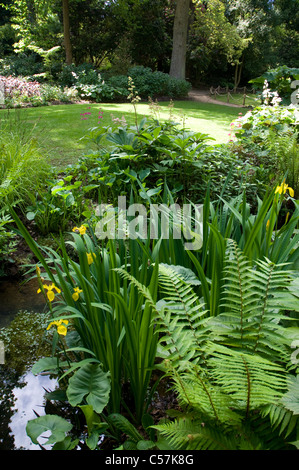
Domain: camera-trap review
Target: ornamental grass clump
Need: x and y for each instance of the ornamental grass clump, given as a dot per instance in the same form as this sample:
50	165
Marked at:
23	166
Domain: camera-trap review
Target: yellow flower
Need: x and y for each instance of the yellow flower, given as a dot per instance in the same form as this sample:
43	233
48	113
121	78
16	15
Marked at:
50	293
80	230
76	293
61	326
284	188
90	257
267	224
62	330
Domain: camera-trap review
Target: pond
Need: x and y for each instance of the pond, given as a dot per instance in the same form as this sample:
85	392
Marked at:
16	296
21	393
18	405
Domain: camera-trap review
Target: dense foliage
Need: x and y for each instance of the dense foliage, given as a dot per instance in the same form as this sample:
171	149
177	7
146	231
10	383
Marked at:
116	35
164	259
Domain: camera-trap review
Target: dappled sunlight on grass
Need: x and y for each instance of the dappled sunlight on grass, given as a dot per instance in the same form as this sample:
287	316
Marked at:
60	128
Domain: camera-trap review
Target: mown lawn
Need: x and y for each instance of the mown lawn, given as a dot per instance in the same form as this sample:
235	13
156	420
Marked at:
59	129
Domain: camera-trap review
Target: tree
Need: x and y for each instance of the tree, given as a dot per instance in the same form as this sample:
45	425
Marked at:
214	43
180	34
66	32
255	21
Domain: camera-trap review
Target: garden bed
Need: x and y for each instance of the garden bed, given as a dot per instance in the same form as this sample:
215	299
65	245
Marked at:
127	311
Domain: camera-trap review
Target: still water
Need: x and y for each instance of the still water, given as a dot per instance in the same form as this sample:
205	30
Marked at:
20	395
19	406
16	296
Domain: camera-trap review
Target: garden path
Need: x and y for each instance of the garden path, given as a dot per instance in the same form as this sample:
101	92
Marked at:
203	96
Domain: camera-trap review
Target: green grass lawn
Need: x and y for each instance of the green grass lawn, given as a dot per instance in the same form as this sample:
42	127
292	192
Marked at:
58	129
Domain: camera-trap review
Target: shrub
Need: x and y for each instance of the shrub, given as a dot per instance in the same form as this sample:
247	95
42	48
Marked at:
279	80
153	84
20	86
84	74
267	137
156	153
24	65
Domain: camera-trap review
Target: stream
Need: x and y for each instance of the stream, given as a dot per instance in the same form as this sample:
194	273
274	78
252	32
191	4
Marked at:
21	394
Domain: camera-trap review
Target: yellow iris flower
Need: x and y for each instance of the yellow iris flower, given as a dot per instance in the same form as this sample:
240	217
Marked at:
50	293
76	293
90	257
61	326
284	188
80	230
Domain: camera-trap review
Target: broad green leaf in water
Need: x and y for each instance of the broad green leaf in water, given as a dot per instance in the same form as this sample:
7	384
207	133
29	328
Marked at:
57	425
91	383
46	364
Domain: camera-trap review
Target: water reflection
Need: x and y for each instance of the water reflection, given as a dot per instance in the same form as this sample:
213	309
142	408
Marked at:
17	408
15	296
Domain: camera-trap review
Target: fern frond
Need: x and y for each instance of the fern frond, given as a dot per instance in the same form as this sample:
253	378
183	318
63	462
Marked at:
281	418
196	390
250	319
189	433
140	287
249	379
291	399
181	318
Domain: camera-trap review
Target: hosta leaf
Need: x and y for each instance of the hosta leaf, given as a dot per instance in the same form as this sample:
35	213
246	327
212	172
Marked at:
91	383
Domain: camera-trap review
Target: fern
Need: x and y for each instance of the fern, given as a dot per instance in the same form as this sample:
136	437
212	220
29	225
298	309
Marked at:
228	370
250	319
196	390
181	317
281	419
193	433
252	381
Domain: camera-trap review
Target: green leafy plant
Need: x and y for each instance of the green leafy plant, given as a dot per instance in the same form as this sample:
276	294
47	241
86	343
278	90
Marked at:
8	241
110	319
62	204
280	80
23	167
88	389
229	370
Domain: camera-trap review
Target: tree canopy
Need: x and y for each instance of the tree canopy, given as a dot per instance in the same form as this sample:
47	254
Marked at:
212	41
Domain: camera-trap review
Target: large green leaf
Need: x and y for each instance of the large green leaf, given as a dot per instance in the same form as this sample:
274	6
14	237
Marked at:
290	399
47	364
57	425
91	383
186	274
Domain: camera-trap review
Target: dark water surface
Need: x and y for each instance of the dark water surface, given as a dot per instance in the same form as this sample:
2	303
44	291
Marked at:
18	405
20	396
16	296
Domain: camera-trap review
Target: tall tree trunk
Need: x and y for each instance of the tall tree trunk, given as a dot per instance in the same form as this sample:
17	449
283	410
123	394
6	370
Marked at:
238	73
179	45
66	32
